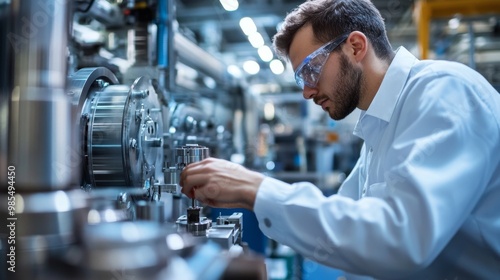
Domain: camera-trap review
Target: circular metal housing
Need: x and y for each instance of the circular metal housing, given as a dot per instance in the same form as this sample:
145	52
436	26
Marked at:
121	130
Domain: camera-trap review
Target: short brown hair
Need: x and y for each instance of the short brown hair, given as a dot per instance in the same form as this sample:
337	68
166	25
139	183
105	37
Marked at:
332	18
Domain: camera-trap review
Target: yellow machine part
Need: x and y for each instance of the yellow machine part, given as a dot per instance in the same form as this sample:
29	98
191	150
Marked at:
426	10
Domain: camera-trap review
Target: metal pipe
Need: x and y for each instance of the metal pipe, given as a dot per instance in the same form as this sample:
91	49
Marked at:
162	35
192	55
164	48
42	144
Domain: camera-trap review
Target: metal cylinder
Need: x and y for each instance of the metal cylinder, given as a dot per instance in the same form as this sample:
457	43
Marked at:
150	211
104	137
42	228
121	129
198	228
193	56
137	250
190	153
42	143
193	215
39	42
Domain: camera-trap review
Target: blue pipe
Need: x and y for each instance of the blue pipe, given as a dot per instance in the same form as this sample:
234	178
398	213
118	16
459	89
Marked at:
162	43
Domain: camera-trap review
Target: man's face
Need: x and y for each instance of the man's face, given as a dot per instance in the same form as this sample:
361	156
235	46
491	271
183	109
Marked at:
337	87
339	95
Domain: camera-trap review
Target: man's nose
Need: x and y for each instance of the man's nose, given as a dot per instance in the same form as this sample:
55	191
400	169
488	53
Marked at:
308	92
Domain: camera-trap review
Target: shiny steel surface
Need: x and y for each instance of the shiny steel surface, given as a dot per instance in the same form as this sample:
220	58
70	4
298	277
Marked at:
81	82
4	87
103	131
192	55
191	153
150	211
135	249
196	229
39	41
143	125
40	125
46	224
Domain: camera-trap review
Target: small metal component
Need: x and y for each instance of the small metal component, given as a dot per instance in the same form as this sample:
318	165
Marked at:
189	154
228	230
133	143
101	83
195	228
140	94
139	113
154	142
193	215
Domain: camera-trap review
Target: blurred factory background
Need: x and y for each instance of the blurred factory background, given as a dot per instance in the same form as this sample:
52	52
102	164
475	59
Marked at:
103	103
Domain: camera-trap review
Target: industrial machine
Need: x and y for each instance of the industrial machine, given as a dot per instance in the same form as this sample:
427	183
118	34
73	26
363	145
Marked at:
103	103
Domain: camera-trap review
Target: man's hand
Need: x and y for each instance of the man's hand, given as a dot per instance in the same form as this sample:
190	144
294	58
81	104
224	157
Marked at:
221	183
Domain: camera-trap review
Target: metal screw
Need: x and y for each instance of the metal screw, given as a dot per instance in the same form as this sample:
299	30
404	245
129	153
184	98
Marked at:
101	83
133	143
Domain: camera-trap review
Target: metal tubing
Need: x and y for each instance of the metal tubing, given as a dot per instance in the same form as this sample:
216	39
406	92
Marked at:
193	56
165	49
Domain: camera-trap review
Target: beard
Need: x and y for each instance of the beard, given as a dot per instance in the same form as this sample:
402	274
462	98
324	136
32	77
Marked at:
347	91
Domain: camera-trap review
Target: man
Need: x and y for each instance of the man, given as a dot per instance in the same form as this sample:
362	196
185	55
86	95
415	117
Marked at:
422	200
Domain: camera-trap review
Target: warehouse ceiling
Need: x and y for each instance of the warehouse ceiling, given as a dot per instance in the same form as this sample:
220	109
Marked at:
217	30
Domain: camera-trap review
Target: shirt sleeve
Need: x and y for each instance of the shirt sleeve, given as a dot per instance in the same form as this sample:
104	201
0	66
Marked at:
440	164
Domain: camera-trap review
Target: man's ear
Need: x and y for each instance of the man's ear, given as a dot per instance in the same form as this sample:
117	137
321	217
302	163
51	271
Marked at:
357	45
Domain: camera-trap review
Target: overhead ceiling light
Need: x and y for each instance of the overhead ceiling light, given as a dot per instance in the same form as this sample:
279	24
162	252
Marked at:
265	53
276	67
229	5
248	26
251	67
256	40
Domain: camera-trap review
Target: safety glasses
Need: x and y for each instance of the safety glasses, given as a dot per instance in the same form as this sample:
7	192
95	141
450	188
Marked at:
307	74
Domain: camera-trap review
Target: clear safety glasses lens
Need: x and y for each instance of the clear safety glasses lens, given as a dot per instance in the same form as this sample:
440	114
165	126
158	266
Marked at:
308	72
